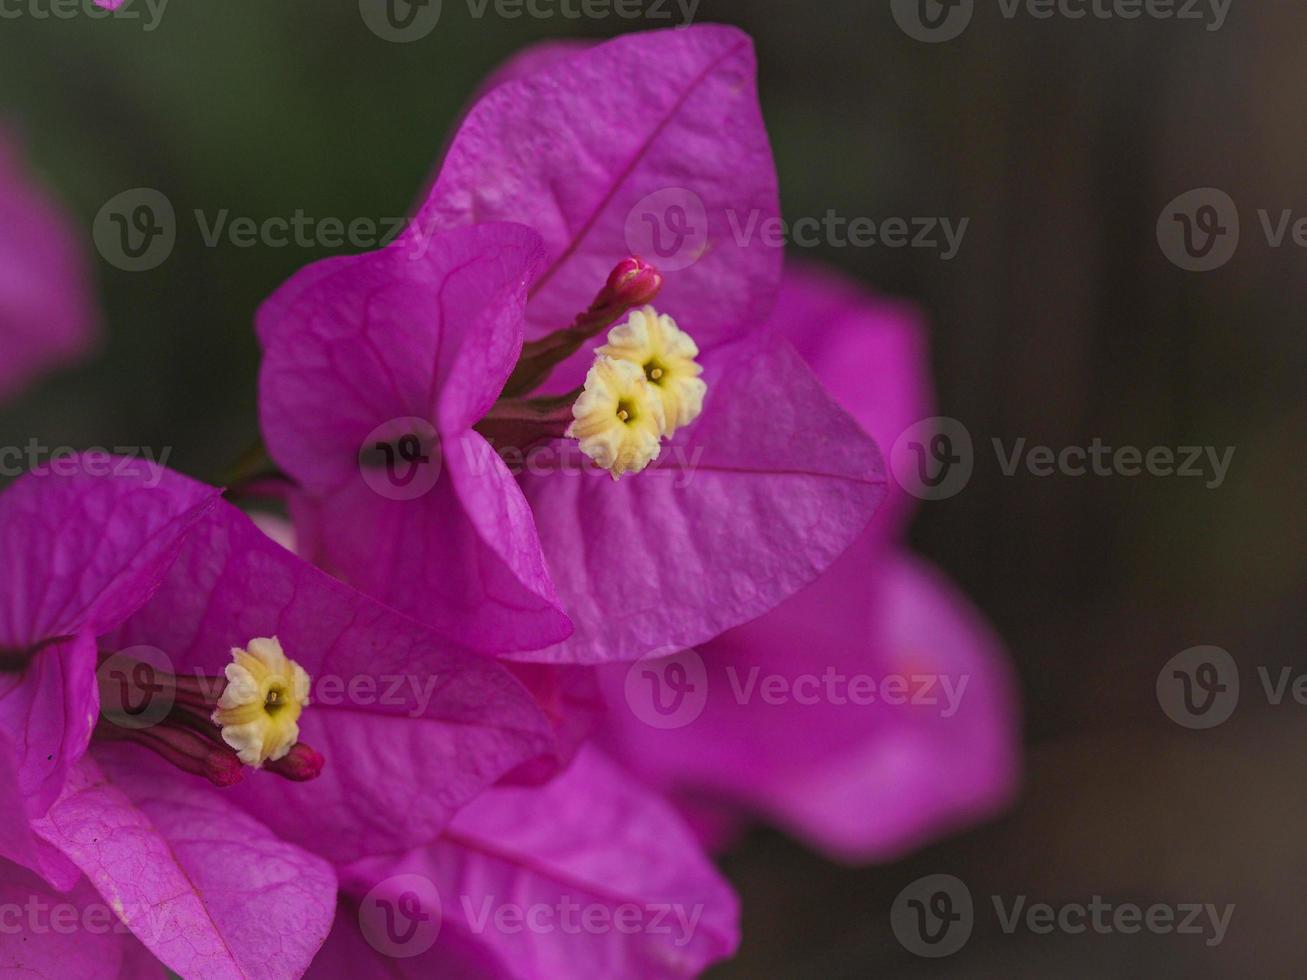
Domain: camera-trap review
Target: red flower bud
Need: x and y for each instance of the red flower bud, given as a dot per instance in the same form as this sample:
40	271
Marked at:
633	282
300	764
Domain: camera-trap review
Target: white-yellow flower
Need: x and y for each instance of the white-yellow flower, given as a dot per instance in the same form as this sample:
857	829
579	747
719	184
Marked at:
618	418
260	708
666	354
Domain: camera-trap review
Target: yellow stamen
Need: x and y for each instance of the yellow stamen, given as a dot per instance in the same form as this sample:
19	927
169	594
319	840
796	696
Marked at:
618	418
666	354
260	708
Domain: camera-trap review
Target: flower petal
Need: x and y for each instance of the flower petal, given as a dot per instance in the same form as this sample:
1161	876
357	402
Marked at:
573	147
593	843
46	716
208	889
85	541
871	354
17	842
424	331
47	310
52	935
411	724
348	955
571	699
851	764
743	509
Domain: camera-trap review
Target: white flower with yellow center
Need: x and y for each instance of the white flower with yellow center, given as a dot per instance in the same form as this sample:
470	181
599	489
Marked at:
260	708
618	418
666	354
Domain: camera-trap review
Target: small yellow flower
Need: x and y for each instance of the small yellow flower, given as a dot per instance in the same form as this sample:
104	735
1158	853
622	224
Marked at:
618	418
666	354
260	708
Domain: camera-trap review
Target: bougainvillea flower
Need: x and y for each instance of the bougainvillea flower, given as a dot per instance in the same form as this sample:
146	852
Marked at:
429	351
219	868
593	875
65	934
47	312
873	710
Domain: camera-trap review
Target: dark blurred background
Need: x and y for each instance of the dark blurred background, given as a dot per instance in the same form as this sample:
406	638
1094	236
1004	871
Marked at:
1060	320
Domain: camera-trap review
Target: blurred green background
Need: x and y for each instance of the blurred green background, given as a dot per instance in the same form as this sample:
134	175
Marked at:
1059	321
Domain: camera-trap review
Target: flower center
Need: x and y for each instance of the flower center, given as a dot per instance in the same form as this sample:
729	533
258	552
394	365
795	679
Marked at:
212	726
667	355
644	384
618	418
259	710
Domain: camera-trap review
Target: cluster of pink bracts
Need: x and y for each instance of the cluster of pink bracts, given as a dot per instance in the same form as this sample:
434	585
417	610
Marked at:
539	697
